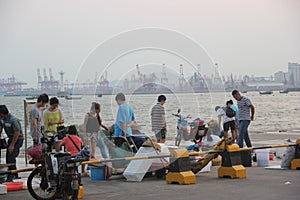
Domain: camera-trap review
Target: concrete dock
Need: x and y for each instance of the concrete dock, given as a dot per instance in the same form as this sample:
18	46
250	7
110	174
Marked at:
260	183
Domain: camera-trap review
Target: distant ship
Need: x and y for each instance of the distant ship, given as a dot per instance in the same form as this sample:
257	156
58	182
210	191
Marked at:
265	92
62	94
283	91
70	97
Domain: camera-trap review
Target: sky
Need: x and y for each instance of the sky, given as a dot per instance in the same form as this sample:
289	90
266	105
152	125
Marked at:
85	38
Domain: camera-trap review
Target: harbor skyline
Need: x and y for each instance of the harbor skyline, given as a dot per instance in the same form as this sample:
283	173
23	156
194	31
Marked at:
251	37
143	82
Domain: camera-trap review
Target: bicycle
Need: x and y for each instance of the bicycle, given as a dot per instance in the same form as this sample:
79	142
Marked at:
57	174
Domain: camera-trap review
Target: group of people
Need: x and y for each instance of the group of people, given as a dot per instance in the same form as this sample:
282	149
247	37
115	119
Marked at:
48	119
125	119
239	122
52	117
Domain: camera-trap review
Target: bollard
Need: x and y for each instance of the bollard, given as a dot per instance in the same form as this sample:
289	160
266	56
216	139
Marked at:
231	163
180	168
295	163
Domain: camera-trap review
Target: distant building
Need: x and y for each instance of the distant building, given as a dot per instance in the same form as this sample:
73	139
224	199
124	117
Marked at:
281	77
294	74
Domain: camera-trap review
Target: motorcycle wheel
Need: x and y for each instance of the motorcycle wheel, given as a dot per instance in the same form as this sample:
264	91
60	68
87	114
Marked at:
75	188
178	138
71	184
38	185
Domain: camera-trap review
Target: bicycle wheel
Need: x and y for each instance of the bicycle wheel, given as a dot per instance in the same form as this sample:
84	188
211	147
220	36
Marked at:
38	185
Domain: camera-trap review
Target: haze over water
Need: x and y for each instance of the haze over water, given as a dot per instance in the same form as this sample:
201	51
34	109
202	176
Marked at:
276	112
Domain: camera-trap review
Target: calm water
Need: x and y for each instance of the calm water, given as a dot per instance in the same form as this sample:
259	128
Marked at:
274	112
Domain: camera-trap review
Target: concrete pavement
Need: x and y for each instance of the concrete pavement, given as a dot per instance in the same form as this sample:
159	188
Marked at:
260	183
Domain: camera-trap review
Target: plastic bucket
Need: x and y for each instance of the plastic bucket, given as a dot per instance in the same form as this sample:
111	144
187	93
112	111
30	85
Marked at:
98	173
262	156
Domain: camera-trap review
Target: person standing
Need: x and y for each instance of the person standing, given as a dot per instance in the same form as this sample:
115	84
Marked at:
228	122
124	120
53	117
246	115
158	120
101	143
92	124
36	118
13	130
236	110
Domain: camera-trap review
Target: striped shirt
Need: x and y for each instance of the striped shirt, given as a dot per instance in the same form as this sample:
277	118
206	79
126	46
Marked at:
157	113
244	108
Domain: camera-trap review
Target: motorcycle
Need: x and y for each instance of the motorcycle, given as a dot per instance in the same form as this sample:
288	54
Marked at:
193	131
56	175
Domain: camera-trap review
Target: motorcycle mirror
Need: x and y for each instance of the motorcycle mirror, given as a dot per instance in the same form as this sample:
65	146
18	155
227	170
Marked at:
178	111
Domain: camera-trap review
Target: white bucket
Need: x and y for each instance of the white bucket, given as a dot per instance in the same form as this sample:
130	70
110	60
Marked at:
3	189
262	156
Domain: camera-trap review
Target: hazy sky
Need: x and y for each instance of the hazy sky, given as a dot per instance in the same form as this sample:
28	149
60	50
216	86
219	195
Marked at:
256	37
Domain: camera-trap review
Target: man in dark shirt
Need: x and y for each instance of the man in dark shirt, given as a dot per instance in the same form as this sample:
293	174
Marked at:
13	130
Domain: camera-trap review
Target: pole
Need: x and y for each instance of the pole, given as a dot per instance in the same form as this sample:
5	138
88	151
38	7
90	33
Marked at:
125	158
15	171
268	147
25	131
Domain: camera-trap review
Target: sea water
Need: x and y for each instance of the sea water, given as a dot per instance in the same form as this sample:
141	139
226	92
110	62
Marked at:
276	112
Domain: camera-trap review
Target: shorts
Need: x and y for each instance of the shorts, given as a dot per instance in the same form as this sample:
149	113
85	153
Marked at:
230	124
161	134
91	137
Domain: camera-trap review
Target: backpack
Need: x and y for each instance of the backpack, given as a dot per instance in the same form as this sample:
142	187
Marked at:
229	112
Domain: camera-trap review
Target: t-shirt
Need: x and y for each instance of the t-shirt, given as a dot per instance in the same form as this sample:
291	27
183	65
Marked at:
244	108
36	113
70	147
125	115
236	110
157	113
50	116
11	125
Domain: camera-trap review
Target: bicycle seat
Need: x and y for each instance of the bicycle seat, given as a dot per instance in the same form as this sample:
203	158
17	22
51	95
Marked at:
61	154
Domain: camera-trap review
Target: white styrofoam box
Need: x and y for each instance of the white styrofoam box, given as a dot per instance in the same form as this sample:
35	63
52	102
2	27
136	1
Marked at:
3	189
136	169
